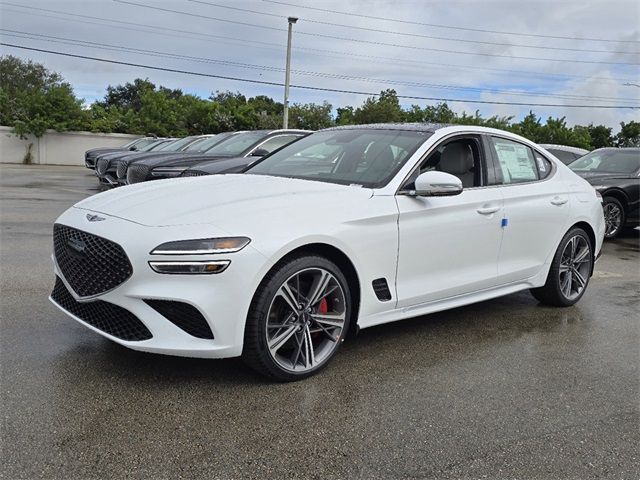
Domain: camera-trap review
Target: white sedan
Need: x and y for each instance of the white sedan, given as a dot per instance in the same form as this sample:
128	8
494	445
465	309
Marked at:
346	228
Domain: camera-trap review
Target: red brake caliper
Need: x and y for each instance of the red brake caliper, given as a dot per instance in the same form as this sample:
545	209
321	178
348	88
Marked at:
323	307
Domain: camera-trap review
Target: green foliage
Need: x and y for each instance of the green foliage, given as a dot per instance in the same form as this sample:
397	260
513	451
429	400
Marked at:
629	135
33	99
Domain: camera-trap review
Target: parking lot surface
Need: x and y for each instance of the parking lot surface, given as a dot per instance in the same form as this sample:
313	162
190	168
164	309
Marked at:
502	389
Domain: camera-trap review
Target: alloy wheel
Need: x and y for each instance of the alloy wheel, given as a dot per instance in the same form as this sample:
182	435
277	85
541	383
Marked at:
612	218
575	267
306	320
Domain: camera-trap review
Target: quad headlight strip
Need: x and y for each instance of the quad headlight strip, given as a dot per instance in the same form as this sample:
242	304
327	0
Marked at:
202	246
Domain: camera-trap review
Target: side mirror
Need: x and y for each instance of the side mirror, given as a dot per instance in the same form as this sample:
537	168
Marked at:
133	149
260	152
436	184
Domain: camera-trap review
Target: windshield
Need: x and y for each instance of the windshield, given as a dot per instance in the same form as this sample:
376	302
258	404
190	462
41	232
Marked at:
355	156
608	161
207	143
132	143
176	144
235	145
154	145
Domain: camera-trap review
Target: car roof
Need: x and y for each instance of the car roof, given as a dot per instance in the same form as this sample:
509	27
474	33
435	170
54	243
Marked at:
565	148
414	127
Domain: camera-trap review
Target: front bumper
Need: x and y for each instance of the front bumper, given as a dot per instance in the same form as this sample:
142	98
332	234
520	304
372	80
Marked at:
222	299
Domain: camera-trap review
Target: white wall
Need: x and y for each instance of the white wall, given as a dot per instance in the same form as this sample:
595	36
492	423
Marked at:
56	148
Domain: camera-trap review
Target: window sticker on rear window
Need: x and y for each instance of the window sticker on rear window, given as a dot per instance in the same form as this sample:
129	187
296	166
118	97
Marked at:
516	161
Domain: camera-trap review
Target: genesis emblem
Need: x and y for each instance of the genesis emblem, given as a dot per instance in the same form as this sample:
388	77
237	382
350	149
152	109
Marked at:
94	218
77	245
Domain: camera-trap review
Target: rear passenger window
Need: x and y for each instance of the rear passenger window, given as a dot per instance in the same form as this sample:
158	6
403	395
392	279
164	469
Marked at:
544	165
516	161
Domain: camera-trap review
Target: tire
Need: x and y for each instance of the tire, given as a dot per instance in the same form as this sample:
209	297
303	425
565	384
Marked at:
570	271
296	323
614	217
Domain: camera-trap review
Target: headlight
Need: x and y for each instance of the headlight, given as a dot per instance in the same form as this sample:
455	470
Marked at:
167	171
202	246
190	268
599	187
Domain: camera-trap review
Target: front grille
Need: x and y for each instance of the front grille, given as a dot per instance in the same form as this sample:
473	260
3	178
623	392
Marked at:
193	173
184	316
105	316
101	166
90	264
137	172
121	169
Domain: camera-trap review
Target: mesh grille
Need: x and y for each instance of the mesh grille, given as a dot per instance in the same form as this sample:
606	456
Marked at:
137	172
121	169
193	173
184	316
90	264
101	166
105	316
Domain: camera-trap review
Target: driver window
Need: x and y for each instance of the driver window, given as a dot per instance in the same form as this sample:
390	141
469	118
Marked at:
460	158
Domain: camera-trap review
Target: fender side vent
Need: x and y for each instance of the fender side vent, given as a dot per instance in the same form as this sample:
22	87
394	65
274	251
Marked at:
184	316
381	289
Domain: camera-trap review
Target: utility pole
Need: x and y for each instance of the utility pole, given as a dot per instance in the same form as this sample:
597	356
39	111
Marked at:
285	117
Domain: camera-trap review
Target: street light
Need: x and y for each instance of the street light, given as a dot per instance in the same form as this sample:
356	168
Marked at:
285	117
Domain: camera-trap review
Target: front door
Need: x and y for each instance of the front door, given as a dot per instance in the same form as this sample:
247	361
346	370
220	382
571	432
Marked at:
449	246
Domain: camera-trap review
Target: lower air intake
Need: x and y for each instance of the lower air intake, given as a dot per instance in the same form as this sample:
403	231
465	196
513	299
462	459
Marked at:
184	316
105	316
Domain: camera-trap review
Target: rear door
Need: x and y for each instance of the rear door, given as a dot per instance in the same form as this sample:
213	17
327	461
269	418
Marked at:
536	208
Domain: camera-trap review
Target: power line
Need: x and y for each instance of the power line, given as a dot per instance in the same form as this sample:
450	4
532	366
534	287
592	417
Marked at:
415	35
468	29
370	42
137	27
120	48
309	87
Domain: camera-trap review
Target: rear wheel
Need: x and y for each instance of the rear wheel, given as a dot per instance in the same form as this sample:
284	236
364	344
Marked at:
614	217
570	271
298	318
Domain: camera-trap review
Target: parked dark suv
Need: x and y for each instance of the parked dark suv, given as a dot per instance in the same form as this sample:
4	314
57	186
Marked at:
257	143
91	155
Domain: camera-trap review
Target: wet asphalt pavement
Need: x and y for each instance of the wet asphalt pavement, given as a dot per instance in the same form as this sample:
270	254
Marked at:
502	389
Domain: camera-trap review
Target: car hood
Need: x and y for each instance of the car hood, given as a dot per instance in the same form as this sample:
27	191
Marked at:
223	200
595	177
183	159
224	164
94	152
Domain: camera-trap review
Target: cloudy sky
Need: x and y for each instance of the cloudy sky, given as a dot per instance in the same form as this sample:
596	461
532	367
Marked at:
562	52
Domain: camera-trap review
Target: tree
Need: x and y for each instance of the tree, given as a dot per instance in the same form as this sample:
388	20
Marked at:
385	109
311	116
33	99
629	135
600	136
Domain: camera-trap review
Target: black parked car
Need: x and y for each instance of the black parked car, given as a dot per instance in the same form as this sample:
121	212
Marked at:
564	153
107	168
257	143
220	166
104	161
615	173
198	147
92	154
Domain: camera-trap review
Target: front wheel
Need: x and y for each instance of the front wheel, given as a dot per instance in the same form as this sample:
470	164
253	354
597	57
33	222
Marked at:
570	271
298	318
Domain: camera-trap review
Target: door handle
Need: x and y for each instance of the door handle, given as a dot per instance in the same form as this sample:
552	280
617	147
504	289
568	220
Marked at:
487	210
559	201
